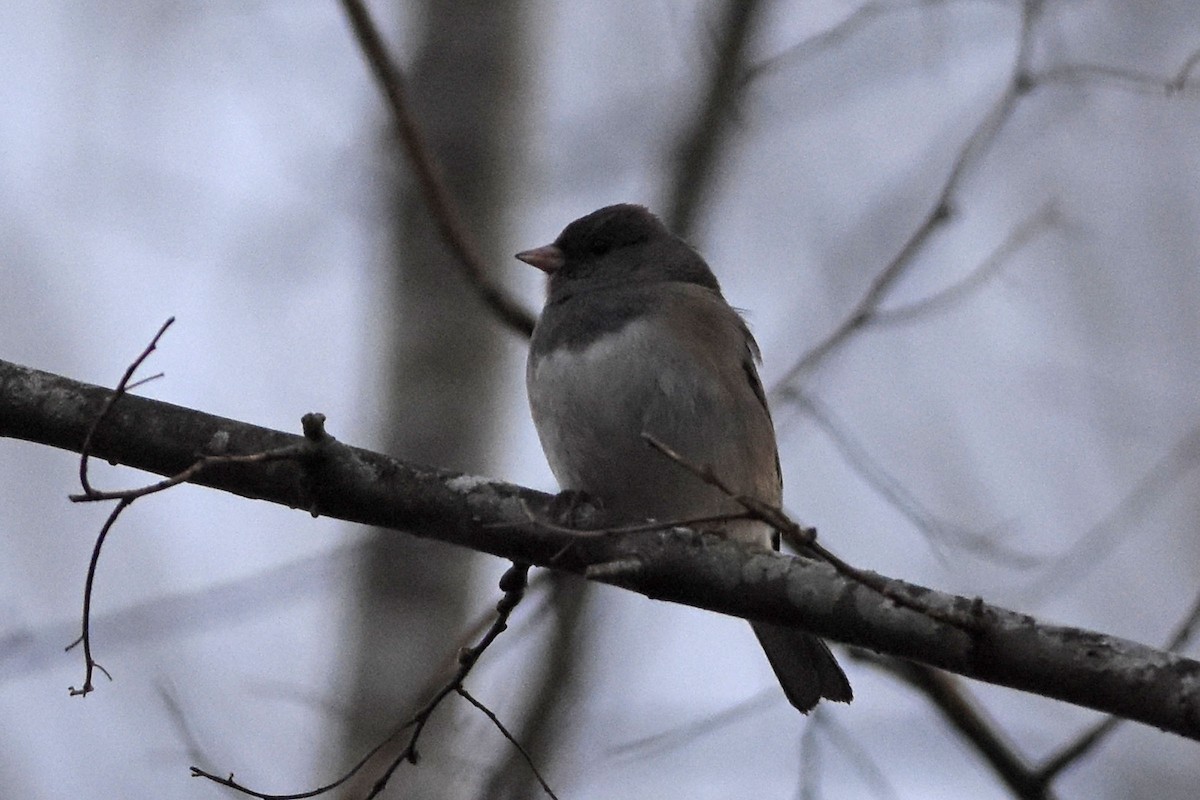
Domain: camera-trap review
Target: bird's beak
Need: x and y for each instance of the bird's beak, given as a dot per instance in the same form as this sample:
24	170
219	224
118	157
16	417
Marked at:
548	259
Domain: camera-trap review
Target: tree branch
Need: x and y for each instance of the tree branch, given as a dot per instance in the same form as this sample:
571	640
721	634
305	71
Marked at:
964	716
940	212
697	154
429	174
1090	669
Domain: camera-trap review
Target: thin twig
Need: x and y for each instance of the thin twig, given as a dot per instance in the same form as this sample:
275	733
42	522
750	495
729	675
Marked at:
955	705
314	433
641	527
1185	71
810	760
838	33
805	540
852	748
289	453
699	149
936	530
430	174
1095	544
552	702
1089	740
681	735
175	710
940	212
1077	749
1186	628
1016	239
491	715
85	636
1082	73
513	583
122	387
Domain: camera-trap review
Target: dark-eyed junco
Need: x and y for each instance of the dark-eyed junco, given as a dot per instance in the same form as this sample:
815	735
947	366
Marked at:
636	338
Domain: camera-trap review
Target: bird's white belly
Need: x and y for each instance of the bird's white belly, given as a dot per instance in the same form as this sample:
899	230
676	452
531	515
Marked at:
591	407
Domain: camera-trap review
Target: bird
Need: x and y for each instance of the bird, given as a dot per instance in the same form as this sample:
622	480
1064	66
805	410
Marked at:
636	340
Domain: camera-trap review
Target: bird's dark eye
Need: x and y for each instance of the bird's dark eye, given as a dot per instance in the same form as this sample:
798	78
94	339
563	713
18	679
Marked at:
599	248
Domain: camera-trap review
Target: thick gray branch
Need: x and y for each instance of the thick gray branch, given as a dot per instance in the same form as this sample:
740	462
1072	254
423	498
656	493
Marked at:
991	644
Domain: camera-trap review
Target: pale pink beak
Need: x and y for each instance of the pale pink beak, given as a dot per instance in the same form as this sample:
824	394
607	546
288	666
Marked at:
548	259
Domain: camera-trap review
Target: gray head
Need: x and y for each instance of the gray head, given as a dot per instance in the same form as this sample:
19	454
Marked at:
618	245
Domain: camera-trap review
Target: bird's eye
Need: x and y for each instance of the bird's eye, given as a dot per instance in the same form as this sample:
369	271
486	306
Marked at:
599	248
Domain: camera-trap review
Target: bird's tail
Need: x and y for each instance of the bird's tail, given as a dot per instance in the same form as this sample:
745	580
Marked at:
806	669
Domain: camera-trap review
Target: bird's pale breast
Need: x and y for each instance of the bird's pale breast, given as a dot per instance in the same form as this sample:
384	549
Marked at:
591	404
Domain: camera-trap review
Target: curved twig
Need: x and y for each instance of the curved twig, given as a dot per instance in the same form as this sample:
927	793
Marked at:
699	148
1135	79
805	540
941	211
122	386
491	715
429	174
513	582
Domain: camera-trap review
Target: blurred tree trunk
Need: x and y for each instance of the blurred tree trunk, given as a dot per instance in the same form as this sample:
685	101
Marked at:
444	377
